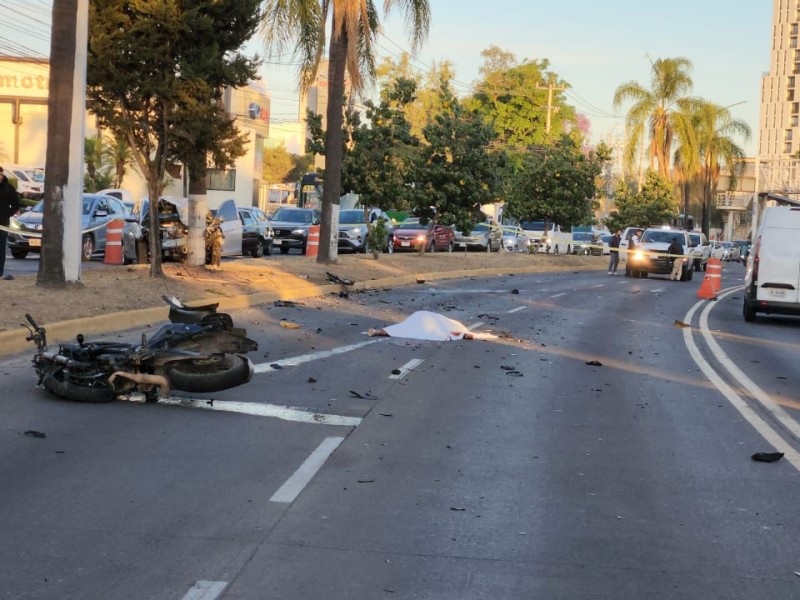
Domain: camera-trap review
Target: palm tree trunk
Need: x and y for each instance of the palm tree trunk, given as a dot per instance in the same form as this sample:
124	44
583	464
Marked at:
328	237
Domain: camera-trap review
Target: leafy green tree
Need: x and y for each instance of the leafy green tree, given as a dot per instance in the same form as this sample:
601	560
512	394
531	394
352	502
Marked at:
157	71
277	164
556	184
457	171
354	28
660	112
654	204
379	164
513	97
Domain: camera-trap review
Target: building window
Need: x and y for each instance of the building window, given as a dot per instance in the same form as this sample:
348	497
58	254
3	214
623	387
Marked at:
787	148
792	42
794	29
790	95
787	135
795	108
791	82
795	121
221	179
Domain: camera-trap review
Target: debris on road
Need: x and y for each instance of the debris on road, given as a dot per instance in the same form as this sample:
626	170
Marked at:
37	434
290	325
364	396
681	324
594	363
287	303
336	279
767	457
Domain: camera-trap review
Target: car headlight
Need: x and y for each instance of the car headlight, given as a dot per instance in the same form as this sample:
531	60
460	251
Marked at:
639	255
421	237
298	231
15	224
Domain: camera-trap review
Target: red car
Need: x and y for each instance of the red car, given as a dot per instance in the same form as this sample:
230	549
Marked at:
412	235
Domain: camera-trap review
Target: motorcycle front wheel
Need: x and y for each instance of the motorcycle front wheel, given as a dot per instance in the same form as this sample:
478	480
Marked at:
210	374
58	384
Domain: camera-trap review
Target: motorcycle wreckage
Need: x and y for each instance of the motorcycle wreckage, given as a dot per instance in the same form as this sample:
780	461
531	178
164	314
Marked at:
198	351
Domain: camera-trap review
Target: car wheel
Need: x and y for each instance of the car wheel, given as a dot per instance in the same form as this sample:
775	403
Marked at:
284	250
87	248
20	254
258	250
749	312
268	248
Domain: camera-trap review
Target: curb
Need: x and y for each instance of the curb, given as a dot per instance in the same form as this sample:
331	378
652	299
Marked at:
14	342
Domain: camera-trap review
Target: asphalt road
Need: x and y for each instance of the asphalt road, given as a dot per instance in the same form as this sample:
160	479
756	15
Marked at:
505	468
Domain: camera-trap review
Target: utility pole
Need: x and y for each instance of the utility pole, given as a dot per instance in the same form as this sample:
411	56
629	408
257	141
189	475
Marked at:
550	87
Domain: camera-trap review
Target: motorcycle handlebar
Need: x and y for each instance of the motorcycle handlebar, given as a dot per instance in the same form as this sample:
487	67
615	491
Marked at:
31	321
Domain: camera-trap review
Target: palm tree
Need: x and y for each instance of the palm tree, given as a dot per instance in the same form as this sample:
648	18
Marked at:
302	25
715	128
662	111
118	153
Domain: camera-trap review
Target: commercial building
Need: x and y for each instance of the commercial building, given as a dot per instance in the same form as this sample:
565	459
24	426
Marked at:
23	134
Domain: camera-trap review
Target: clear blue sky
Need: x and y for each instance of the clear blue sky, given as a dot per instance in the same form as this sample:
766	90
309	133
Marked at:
593	45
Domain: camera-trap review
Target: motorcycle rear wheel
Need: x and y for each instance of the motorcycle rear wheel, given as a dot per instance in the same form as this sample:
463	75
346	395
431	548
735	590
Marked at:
212	374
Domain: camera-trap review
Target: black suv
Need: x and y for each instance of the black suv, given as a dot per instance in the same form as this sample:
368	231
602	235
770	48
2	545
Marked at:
290	227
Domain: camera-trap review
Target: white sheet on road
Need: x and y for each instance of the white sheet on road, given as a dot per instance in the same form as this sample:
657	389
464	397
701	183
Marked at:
425	325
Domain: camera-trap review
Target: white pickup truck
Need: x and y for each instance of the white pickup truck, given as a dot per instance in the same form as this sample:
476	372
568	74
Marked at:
550	239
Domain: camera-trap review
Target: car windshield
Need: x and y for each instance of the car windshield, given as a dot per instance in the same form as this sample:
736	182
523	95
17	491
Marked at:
351	217
87	205
582	237
480	228
727	244
410	225
533	225
696	238
663	236
292	215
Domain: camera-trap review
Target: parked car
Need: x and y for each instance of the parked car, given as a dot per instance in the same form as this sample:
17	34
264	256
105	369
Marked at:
586	242
483	237
353	228
96	212
290	227
744	249
701	251
605	239
413	235
726	251
515	239
30	180
173	227
256	232
772	281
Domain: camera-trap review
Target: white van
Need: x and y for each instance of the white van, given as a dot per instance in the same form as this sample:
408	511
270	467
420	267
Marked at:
772	281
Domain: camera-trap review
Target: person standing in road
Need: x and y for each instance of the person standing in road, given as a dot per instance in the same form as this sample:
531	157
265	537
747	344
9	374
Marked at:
633	241
675	251
9	205
613	246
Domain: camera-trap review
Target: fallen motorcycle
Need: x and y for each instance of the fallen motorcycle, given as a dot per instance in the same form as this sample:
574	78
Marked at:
198	351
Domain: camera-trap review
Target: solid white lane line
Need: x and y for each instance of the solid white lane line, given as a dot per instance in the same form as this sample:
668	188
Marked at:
559	295
475	325
599	285
304	358
285	413
514	310
291	489
747	412
755	391
205	590
406	368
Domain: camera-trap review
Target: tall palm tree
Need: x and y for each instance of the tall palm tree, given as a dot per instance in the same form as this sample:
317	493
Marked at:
715	129
662	111
119	153
302	26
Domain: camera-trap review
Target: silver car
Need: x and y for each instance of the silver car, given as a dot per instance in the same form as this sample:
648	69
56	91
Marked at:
483	237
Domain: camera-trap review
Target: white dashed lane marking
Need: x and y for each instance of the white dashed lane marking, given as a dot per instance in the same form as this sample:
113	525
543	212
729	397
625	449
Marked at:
305	473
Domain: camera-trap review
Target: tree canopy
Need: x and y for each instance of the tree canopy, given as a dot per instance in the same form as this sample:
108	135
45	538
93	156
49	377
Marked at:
156	74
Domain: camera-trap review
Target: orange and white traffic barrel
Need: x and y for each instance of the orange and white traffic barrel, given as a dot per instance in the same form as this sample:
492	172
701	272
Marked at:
312	243
714	273
113	254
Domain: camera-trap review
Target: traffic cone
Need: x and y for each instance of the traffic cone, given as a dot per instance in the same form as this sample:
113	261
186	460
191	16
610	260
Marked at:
706	291
714	271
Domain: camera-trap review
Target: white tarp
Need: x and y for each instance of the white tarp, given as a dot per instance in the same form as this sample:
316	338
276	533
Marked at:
424	325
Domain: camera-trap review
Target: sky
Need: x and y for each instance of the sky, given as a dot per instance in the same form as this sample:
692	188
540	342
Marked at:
593	46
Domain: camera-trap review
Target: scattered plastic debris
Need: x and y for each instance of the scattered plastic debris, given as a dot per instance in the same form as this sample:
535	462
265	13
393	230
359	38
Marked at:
37	434
365	396
336	279
594	363
681	324
287	303
290	325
